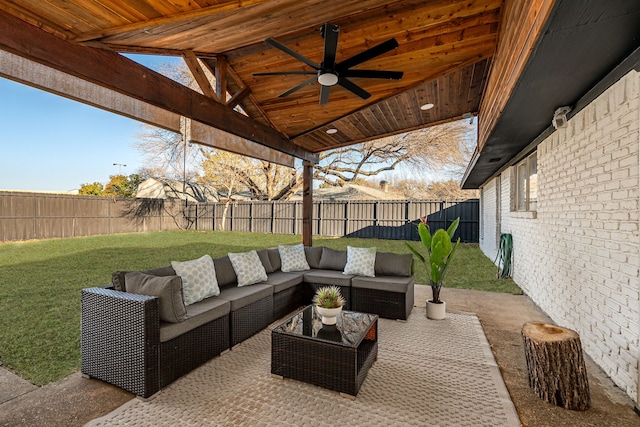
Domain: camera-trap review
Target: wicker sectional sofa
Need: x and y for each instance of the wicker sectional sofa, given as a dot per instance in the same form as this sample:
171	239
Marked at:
124	341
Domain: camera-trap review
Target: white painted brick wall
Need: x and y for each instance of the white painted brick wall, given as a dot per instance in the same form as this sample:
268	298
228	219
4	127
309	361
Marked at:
579	260
488	220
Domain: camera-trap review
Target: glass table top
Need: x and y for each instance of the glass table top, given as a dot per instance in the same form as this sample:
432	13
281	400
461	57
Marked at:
349	329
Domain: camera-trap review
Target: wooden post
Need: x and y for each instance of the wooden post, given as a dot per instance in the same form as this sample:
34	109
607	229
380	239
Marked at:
307	203
557	373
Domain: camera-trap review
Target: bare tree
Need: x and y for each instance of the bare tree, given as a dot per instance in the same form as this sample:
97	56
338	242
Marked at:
446	148
220	171
422	189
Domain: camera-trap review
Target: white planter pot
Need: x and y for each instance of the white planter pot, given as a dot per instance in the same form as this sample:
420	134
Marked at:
436	311
329	315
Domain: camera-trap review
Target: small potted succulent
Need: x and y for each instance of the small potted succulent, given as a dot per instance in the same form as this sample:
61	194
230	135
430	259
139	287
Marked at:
440	251
329	301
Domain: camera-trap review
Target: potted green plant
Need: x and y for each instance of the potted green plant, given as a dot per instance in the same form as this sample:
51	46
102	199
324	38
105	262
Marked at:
329	301
440	251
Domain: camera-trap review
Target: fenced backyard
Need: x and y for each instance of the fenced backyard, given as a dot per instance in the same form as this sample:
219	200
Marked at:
26	216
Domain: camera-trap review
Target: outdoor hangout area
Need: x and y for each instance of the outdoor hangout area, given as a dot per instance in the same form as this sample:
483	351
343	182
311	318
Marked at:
519	306
474	358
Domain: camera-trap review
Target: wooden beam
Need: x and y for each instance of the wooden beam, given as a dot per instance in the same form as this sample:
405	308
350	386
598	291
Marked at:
199	75
120	74
31	73
221	78
238	97
307	203
27	72
212	137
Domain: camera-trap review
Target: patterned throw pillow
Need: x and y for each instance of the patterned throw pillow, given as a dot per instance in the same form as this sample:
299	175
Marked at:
293	258
198	279
248	268
360	261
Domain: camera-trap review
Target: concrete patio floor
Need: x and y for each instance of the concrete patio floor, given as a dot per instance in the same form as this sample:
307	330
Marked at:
75	400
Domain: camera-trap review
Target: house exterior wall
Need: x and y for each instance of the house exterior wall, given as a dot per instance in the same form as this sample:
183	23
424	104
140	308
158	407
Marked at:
578	257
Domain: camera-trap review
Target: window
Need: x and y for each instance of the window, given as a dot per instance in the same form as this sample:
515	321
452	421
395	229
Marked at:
526	185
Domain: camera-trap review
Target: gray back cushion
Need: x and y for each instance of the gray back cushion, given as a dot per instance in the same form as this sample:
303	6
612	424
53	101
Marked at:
225	273
265	260
274	257
118	278
168	289
313	256
390	264
332	259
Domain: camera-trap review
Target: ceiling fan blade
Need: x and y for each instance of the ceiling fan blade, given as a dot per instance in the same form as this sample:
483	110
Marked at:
293	53
373	74
368	54
330	33
324	94
300	86
352	87
284	73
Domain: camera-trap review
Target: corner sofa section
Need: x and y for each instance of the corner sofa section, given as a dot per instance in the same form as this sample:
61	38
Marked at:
124	342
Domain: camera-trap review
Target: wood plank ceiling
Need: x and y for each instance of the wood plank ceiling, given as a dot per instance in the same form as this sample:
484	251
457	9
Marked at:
445	51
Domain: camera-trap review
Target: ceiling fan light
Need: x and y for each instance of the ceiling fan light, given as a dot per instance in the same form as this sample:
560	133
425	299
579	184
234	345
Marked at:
426	107
327	79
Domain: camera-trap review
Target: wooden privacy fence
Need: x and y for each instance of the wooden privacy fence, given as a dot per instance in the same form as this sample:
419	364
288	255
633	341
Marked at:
25	216
382	219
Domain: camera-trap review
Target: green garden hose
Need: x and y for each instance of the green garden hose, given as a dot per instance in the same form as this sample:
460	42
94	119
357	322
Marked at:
504	256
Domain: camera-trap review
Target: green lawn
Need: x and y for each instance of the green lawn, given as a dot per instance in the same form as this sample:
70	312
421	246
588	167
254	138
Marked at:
40	283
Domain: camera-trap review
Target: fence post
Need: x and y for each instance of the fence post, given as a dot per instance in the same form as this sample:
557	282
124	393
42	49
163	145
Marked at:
347	205
407	209
320	219
273	217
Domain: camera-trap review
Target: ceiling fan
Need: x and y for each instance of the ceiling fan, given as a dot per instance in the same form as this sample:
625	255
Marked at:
329	73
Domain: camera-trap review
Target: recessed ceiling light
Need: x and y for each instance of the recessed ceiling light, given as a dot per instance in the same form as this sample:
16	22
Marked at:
331	131
426	107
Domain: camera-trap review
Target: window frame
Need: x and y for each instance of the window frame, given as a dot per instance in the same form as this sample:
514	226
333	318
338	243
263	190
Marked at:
525	202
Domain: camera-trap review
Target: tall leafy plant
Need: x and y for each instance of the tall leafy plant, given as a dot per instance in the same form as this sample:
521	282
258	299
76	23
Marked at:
440	251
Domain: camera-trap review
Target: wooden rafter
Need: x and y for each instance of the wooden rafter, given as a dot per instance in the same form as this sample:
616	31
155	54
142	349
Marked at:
199	75
249	98
180	17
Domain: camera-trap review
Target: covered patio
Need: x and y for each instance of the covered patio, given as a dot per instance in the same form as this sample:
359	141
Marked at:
509	63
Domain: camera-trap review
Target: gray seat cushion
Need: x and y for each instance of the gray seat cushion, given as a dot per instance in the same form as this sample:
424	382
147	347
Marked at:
384	283
198	314
281	280
328	277
245	295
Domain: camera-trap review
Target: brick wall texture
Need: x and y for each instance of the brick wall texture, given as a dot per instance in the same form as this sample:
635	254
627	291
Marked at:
578	256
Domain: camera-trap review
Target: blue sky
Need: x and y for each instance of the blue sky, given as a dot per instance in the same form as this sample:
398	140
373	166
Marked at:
50	143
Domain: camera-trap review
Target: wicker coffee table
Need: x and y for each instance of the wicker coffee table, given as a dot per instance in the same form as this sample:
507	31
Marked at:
335	357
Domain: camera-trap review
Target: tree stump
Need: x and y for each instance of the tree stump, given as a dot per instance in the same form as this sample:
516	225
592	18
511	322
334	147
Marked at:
555	364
